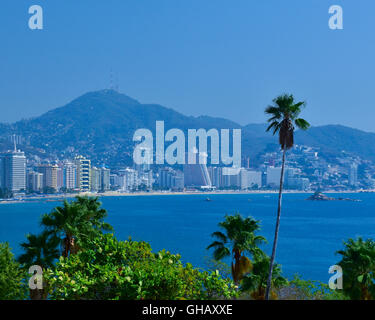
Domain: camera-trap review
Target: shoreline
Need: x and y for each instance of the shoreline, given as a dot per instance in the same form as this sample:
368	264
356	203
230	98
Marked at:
59	197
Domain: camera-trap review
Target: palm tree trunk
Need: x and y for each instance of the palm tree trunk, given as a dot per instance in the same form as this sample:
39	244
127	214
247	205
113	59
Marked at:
269	280
67	245
235	267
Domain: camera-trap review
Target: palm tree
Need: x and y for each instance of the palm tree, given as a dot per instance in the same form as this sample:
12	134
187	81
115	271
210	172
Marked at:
256	281
41	250
358	265
239	238
69	223
284	114
76	221
96	213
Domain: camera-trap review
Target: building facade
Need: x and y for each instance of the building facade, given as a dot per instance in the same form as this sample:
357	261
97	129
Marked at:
83	173
13	171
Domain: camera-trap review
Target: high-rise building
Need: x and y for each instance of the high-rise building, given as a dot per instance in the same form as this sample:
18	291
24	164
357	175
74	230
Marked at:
231	177
273	176
145	179
95	179
130	179
13	171
35	181
49	172
83	173
105	179
70	176
178	181
250	178
196	175
216	176
165	179
117	182
60	177
171	179
144	166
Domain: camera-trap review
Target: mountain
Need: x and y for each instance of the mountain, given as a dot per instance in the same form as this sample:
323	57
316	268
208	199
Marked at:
101	124
333	139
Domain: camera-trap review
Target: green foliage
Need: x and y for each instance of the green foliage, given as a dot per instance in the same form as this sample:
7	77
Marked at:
238	238
239	235
299	289
12	286
222	267
69	225
284	113
76	221
256	281
358	265
40	250
109	269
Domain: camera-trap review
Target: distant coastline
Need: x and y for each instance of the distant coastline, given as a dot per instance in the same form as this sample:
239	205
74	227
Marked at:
59	197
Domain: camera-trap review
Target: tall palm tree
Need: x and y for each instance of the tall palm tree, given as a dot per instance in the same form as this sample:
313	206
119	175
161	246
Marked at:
239	238
284	115
41	250
358	265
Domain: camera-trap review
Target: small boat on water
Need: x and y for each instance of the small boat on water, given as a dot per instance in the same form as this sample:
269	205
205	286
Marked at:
207	199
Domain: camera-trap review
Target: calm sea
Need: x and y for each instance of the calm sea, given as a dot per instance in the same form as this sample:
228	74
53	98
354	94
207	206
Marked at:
310	234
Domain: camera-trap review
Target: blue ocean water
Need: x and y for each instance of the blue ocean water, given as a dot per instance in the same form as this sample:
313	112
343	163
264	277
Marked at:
310	233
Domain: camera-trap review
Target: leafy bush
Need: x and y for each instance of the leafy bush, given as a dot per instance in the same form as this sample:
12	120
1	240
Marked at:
109	269
299	289
12	286
358	265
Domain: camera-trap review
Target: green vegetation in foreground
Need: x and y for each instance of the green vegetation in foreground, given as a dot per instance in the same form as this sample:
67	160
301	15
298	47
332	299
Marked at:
12	286
81	260
106	268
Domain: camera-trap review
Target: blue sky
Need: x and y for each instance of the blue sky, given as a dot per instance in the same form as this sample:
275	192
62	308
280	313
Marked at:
213	57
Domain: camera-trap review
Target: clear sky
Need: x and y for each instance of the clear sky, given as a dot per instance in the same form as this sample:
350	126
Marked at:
212	57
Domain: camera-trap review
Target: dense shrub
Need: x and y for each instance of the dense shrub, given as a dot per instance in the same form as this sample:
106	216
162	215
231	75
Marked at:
299	289
106	268
12	286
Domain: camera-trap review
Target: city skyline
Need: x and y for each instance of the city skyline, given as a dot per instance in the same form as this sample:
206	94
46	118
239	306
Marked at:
19	175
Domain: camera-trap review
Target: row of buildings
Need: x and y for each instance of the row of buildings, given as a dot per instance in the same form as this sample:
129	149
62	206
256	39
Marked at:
76	175
304	170
79	175
200	176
